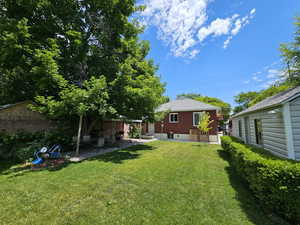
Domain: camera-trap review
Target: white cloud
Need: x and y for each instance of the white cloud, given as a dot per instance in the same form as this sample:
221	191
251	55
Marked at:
237	28
227	42
257	79
217	28
269	75
182	24
272	73
253	11
238	25
193	53
267	84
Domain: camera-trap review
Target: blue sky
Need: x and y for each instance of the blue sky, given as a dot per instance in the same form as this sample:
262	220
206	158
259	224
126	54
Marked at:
218	48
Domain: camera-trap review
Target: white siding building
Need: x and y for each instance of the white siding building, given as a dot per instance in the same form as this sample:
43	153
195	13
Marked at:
273	124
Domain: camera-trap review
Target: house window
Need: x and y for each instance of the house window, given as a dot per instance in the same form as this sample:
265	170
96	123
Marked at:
196	118
240	129
258	131
173	118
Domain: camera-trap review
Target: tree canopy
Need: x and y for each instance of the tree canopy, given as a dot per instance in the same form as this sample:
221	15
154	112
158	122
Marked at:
226	108
59	52
291	55
243	100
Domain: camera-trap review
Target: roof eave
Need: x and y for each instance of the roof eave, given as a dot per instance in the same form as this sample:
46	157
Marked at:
254	111
187	110
291	98
17	104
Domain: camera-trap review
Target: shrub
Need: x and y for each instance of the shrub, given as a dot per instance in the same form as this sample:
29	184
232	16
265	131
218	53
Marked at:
274	181
21	146
134	131
23	153
58	137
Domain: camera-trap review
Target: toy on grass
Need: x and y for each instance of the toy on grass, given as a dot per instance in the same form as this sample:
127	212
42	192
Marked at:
44	153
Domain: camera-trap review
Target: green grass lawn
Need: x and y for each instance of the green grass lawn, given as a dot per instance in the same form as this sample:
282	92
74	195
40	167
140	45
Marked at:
160	183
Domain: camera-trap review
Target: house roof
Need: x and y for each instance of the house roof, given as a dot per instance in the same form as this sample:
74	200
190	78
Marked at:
272	101
15	104
185	105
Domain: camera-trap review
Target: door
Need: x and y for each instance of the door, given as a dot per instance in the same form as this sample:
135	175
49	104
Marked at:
247	129
151	128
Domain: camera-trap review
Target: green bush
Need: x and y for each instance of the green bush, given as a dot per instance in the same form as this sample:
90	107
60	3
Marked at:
274	181
134	131
23	153
21	146
59	137
13	145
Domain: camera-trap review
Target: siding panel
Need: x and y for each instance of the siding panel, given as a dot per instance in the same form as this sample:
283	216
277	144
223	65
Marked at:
272	148
295	118
273	130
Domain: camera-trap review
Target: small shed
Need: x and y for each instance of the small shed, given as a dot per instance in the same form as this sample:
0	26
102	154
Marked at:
273	124
18	117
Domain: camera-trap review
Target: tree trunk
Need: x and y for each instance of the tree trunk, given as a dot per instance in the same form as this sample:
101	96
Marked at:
78	136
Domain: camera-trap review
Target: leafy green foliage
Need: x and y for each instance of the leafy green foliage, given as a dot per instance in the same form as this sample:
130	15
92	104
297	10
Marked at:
205	122
247	99
226	108
291	55
273	90
23	153
275	182
160	116
59	52
134	131
243	100
21	146
73	100
29	69
137	91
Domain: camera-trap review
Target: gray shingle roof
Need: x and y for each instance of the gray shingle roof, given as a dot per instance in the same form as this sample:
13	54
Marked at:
185	105
15	104
272	101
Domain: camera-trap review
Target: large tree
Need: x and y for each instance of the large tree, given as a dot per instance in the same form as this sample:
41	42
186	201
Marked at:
46	45
291	55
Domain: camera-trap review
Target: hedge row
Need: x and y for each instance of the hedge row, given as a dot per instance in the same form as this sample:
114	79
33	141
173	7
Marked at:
274	181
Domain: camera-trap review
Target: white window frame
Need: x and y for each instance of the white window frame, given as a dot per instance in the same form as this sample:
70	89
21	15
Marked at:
170	118
200	113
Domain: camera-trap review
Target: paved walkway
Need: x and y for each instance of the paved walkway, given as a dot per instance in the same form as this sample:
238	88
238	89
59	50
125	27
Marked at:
100	151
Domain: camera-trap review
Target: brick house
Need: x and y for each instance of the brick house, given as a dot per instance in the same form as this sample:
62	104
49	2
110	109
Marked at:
183	118
18	117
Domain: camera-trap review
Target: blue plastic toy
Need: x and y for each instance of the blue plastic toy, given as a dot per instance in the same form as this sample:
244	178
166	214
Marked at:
43	153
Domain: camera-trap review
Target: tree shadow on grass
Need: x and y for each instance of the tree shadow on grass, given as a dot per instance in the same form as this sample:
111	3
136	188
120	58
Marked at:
120	156
12	169
15	170
251	206
5	165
